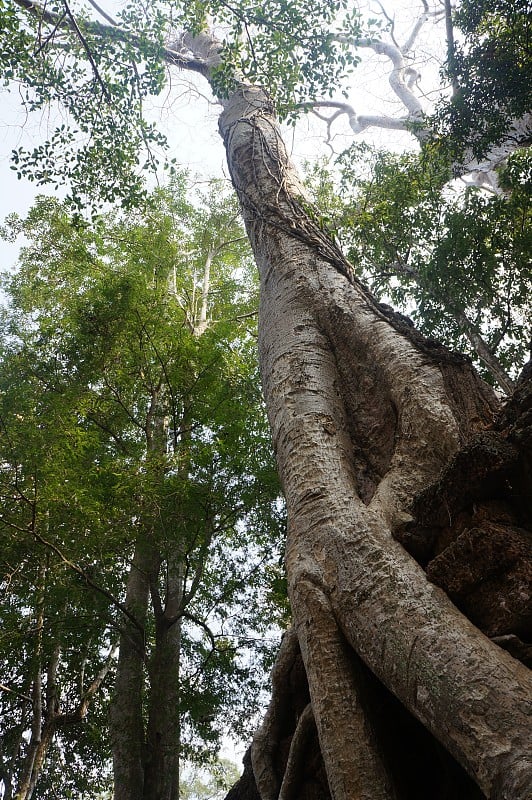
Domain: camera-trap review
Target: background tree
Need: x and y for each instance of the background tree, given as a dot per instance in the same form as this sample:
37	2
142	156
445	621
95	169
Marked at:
489	64
138	460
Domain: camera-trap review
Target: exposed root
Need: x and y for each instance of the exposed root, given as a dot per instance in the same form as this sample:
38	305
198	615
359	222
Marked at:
306	725
267	737
337	687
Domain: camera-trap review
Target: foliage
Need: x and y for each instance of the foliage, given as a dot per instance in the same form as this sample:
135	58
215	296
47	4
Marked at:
212	783
101	318
287	47
94	77
491	65
437	252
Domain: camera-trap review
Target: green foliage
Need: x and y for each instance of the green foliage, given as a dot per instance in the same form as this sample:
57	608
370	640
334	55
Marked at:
211	783
95	77
102	330
492	67
436	251
287	47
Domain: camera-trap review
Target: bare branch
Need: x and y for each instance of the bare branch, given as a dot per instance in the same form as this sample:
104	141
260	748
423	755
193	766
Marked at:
359	123
201	624
396	79
106	16
4	688
391	21
75	27
81	710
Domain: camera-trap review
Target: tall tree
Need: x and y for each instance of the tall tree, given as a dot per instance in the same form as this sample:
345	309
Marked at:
365	415
136	468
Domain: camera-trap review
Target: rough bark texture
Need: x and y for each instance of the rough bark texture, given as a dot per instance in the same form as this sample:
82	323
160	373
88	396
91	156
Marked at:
365	415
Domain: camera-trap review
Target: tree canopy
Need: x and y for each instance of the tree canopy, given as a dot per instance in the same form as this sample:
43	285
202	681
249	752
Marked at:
131	417
455	258
96	71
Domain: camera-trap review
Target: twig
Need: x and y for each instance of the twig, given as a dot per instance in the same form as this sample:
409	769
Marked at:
87	49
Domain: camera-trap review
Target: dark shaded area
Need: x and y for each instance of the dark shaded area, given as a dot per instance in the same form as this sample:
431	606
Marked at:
245	788
312	779
472	530
472	533
420	766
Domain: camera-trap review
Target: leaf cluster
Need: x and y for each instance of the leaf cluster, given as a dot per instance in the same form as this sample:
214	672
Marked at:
491	67
92	79
439	252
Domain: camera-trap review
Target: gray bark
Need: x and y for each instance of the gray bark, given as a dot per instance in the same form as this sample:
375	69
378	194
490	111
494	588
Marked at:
126	722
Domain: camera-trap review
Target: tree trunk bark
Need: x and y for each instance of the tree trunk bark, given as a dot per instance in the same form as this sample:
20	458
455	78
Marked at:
126	720
163	729
364	415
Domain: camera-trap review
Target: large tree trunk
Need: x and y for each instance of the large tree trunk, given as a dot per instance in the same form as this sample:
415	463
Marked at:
364	416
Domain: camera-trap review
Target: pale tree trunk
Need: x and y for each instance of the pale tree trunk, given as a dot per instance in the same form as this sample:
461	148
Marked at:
46	707
364	416
47	715
126	720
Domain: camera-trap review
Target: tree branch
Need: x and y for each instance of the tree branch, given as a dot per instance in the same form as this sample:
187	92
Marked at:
89	580
357	123
167	54
481	347
4	688
396	78
75	27
81	709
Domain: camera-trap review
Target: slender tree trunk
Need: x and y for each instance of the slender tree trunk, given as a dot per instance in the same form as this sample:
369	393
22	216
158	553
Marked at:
25	780
146	753
364	416
44	723
163	731
126	720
